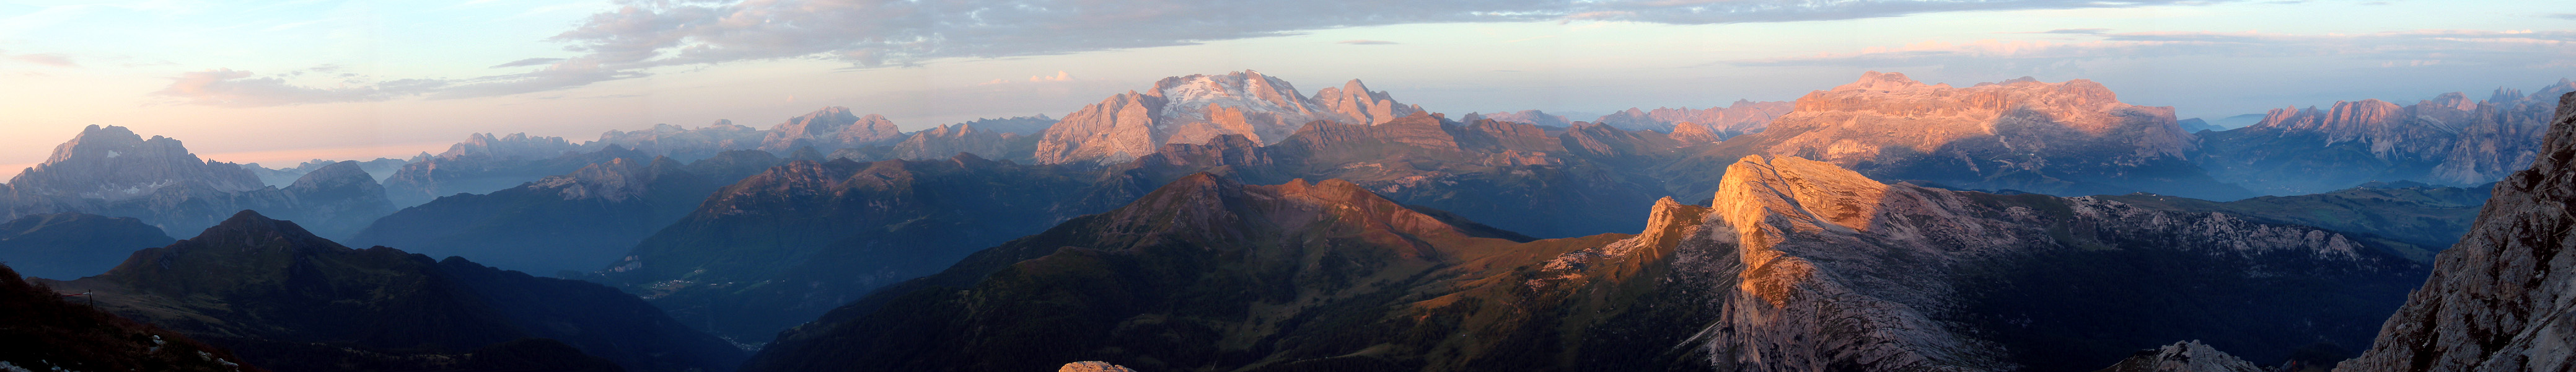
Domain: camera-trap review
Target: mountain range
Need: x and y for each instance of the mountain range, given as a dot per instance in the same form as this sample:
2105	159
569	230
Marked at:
288	300
2449	139
112	171
1232	222
1798	265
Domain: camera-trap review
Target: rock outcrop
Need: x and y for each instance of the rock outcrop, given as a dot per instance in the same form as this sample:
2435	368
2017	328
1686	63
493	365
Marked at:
2449	139
1199	108
2186	356
2502	299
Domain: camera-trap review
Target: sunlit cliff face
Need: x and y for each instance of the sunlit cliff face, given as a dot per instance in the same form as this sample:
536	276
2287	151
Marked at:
1883	111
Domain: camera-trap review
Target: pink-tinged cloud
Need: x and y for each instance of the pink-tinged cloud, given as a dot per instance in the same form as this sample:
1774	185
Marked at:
2491	48
231	88
56	60
870	33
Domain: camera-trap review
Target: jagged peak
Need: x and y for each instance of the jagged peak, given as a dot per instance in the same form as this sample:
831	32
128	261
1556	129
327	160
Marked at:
1669	221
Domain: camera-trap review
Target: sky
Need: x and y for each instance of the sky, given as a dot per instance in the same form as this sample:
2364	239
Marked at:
278	82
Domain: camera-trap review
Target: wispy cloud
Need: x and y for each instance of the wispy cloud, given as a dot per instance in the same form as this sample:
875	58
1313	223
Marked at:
2069	31
1366	42
1060	76
643	34
528	62
48	59
231	88
2402	48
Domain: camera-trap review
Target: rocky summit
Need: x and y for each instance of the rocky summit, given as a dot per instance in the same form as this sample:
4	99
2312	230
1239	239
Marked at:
1199	108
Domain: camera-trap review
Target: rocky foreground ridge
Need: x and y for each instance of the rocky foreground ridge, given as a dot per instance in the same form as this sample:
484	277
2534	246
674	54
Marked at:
2504	299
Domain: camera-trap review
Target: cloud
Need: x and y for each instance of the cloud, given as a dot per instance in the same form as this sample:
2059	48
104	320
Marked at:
2400	48
643	34
528	62
231	88
1060	76
1366	42
48	59
561	74
2563	16
2069	31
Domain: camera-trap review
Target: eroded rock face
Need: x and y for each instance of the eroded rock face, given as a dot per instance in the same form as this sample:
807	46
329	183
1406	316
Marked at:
2186	356
2501	300
1199	108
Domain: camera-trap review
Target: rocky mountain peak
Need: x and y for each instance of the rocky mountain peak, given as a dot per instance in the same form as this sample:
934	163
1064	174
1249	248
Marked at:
113	163
832	128
1359	105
